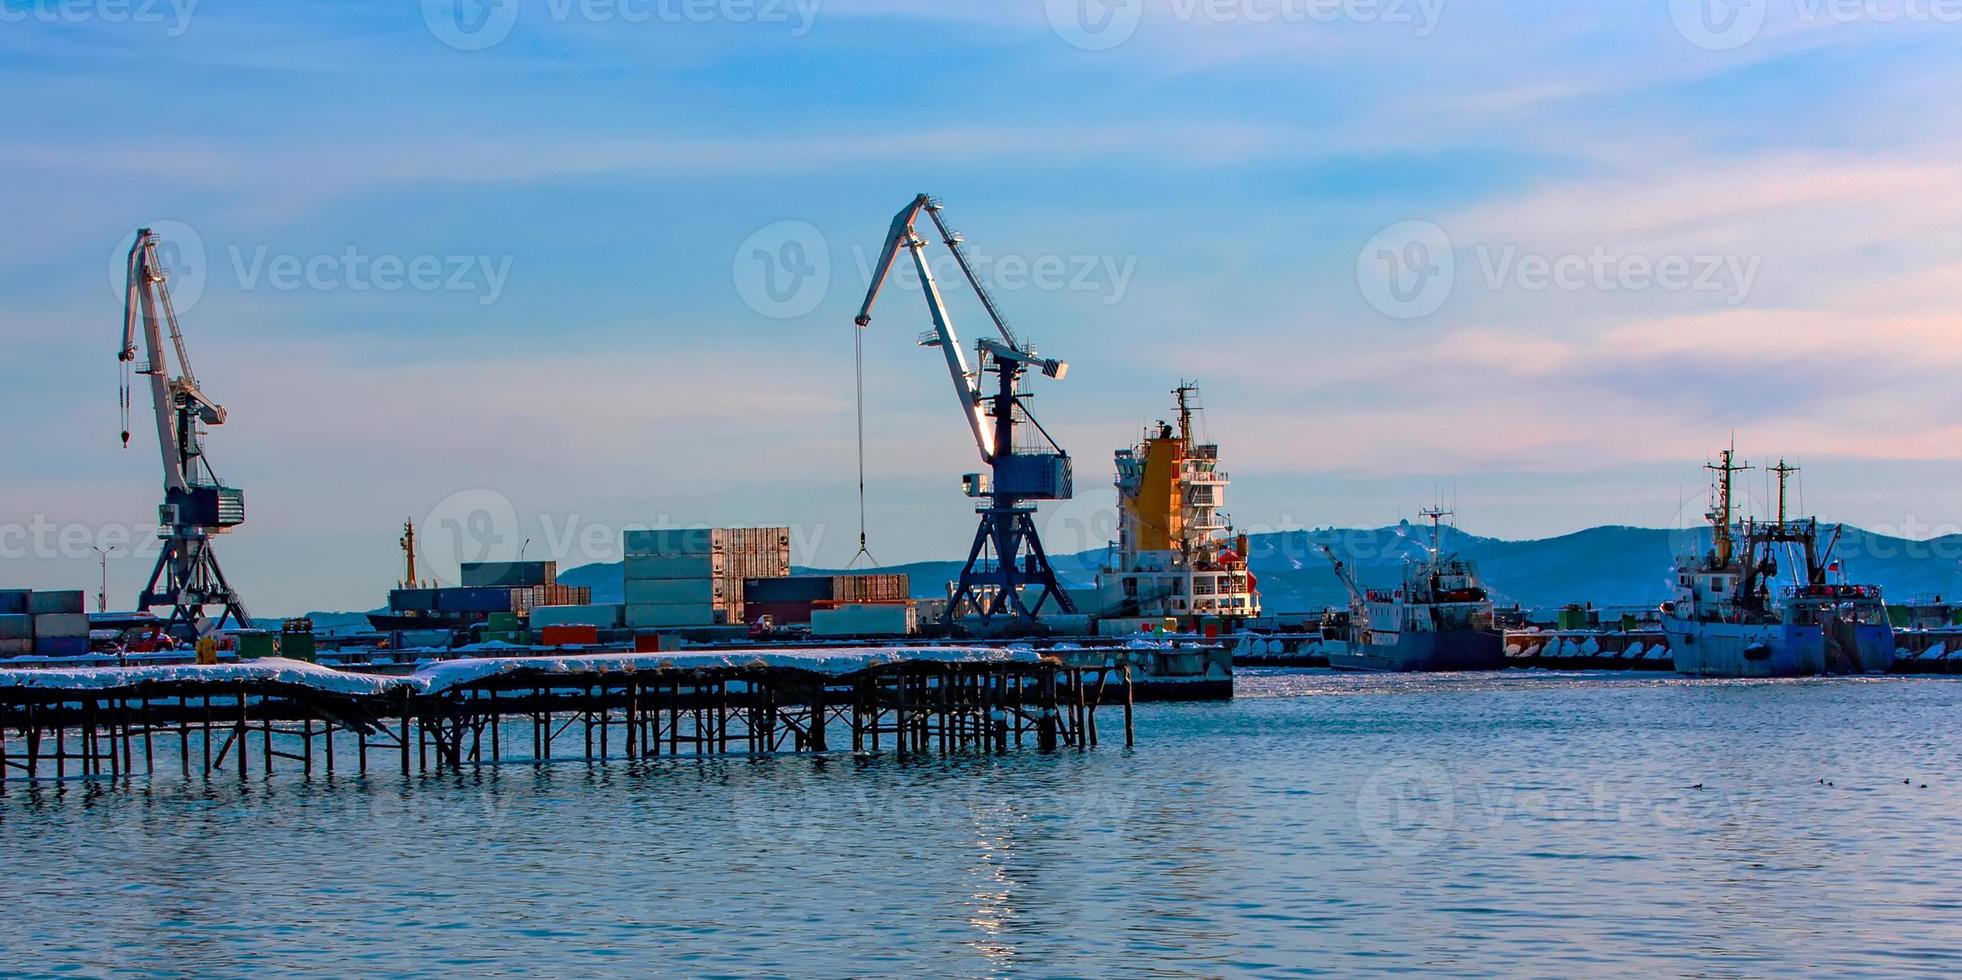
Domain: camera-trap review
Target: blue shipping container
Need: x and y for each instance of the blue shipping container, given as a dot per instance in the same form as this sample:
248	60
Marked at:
61	646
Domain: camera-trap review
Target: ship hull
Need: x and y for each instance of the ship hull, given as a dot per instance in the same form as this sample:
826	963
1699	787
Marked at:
1746	649
1871	646
1426	652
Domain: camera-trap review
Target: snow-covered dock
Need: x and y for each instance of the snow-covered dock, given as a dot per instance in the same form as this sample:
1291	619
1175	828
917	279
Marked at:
122	721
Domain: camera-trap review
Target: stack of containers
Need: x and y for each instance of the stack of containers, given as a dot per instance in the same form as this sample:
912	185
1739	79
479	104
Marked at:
694	576
16	624
506	627
61	628
791	599
550	594
606	616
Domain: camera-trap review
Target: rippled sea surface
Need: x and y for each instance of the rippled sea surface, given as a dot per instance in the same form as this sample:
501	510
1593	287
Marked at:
1502	824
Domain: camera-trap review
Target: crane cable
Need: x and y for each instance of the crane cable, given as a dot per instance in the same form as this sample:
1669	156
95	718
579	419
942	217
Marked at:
858	357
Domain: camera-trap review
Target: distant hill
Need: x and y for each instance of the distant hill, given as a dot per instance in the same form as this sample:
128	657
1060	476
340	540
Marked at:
1608	566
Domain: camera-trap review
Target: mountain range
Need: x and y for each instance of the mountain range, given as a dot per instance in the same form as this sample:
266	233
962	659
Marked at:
1608	566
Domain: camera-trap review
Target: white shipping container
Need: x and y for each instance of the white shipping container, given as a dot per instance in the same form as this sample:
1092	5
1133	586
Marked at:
689	614
867	620
61	624
606	616
672	591
673	566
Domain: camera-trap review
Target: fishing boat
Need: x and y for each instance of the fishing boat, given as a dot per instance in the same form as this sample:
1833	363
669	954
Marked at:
1439	618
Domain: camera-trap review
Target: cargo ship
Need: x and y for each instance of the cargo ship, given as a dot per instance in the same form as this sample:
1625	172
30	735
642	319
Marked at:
1177	559
1438	619
1722	621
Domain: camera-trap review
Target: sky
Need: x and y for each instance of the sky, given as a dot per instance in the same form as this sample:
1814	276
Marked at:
530	272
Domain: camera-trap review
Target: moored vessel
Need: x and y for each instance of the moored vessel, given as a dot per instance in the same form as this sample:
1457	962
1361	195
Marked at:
1439	618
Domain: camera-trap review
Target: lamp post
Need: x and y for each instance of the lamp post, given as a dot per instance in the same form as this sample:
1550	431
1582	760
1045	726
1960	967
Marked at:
102	594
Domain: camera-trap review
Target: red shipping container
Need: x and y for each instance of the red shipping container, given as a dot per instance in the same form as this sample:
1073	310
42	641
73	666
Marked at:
648	643
562	636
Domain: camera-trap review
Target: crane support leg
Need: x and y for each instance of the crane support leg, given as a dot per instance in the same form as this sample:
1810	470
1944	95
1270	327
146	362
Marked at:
997	587
191	579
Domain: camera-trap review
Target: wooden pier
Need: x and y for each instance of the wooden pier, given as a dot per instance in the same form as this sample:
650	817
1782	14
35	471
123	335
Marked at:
254	719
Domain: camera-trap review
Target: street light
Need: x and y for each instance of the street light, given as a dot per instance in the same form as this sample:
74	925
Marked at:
102	595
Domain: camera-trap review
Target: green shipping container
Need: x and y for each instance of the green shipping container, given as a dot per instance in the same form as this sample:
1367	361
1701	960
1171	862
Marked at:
505	622
297	646
1573	619
257	646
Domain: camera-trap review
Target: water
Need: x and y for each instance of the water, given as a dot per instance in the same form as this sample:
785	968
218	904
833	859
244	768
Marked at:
1516	823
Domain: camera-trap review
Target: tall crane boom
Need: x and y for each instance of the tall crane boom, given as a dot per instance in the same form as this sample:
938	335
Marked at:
1016	476
196	503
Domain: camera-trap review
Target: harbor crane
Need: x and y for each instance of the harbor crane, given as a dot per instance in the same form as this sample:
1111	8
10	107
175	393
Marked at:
196	503
1007	556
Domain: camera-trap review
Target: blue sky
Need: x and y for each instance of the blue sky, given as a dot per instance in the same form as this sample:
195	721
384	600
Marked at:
1408	249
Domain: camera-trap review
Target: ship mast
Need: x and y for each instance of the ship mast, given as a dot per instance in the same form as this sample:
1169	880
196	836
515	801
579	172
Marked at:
1437	515
409	554
1720	517
1185	391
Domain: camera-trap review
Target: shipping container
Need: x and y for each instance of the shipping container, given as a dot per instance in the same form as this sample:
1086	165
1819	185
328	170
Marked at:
878	586
653	643
403	600
524	600
758	542
604	616
781	613
16	647
65	601
693	614
473	600
420	639
509	574
61	624
877	619
16	627
16	602
504	621
674	566
793	588
61	646
297	646
256	644
565	636
671	591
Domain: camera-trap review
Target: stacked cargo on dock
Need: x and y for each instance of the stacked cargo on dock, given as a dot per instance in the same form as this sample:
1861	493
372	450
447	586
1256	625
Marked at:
45	624
509	574
791	599
694	576
604	616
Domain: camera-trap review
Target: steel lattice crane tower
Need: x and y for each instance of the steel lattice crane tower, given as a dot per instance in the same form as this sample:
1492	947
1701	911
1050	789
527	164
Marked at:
196	503
1017	475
